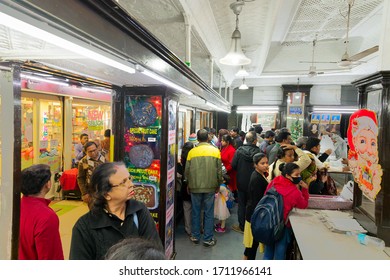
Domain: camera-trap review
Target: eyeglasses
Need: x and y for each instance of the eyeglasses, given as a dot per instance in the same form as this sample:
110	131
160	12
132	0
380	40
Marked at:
92	151
124	182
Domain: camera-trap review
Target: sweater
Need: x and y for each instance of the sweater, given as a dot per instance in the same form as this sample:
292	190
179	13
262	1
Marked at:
303	162
292	196
257	185
39	237
227	154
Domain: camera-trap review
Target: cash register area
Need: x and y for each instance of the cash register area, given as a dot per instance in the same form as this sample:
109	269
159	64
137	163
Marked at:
320	234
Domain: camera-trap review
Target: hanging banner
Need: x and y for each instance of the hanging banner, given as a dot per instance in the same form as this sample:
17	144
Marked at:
363	154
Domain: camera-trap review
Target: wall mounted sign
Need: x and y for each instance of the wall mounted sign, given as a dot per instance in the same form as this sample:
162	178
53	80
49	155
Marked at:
315	118
363	154
335	119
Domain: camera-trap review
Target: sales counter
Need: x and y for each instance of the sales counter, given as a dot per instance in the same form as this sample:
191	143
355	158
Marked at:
317	242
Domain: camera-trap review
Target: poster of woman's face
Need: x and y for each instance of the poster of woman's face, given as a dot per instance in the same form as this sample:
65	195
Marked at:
363	153
314	130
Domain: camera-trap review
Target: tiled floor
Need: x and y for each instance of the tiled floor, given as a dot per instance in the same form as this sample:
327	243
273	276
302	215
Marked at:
229	244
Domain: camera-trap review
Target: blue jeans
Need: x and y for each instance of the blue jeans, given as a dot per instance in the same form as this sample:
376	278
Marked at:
207	199
277	251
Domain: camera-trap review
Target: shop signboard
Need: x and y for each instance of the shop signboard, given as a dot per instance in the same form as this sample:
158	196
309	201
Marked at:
95	120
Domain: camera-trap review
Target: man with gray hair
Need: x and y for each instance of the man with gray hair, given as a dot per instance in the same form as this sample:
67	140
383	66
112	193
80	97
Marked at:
243	163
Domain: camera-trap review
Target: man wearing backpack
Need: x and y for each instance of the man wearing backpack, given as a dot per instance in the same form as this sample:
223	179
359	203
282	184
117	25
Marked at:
287	185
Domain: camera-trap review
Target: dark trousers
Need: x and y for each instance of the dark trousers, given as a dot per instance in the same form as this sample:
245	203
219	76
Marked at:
250	253
242	200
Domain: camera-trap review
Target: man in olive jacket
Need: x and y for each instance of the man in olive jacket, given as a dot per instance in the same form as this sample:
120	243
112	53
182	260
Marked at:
204	174
243	163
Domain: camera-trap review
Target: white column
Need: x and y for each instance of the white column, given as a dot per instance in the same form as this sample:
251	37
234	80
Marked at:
68	136
211	72
384	54
6	161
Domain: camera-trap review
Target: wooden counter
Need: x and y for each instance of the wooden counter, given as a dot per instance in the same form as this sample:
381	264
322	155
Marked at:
317	242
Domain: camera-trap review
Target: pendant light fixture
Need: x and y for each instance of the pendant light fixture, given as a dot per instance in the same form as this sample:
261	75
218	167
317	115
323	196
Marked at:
235	56
243	85
242	72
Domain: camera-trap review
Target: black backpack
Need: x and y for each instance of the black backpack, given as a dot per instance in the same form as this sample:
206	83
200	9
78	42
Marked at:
267	219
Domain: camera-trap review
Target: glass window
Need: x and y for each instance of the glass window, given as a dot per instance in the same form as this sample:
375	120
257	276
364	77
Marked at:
27	132
90	118
50	134
42	138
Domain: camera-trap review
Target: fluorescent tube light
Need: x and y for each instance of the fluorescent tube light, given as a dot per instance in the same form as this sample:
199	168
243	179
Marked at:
107	91
216	107
339	109
43	80
165	81
31	30
257	109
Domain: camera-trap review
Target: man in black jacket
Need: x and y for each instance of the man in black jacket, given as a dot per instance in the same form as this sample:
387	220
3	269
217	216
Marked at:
243	163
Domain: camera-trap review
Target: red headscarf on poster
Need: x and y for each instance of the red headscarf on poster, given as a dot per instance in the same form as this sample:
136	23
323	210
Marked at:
363	153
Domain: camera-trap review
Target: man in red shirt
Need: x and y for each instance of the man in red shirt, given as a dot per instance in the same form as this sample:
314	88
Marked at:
39	237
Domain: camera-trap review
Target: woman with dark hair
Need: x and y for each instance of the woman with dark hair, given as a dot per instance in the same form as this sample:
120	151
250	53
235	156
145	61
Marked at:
185	194
257	185
39	237
287	185
114	215
221	133
227	154
288	153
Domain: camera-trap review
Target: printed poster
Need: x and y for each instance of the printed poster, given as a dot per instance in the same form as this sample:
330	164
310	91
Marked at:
142	148
336	119
363	157
171	167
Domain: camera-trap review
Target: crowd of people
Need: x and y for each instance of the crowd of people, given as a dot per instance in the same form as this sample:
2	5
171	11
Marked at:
213	170
251	162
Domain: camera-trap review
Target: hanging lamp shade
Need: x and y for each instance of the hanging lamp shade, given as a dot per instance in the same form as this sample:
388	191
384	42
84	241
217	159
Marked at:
242	72
243	85
235	56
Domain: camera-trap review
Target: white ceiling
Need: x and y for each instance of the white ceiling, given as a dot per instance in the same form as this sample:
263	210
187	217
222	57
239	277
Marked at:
276	36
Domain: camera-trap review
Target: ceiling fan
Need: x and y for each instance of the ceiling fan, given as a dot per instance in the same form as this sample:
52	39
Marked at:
313	70
346	60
